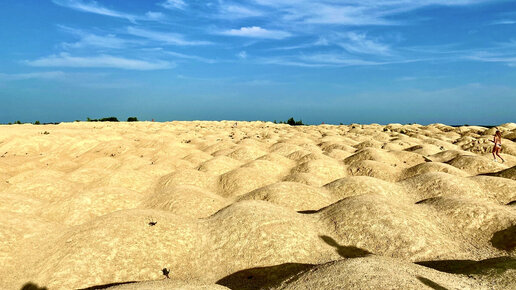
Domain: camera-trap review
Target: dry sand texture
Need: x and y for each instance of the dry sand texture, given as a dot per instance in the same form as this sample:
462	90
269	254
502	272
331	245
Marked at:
256	206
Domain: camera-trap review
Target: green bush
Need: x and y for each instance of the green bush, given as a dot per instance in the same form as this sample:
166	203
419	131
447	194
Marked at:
132	119
108	119
17	122
37	123
293	122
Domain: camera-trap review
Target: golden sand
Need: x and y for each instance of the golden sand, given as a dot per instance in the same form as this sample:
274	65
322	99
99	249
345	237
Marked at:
256	206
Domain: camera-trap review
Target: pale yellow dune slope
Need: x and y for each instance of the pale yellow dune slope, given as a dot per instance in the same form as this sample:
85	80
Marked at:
256	206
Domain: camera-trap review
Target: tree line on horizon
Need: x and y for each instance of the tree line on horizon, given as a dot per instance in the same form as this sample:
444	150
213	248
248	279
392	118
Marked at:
290	121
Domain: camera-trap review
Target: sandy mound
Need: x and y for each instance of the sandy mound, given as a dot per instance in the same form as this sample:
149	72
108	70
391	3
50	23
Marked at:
282	193
378	225
186	200
86	205
475	221
441	184
475	164
167	284
256	205
429	167
325	169
387	274
219	165
374	169
507	173
362	185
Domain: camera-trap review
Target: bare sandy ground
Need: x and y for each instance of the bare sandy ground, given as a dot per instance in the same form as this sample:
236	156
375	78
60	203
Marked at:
98	205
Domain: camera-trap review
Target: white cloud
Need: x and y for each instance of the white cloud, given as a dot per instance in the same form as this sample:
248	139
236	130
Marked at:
257	32
337	59
101	61
504	22
333	59
238	11
242	55
187	56
95	8
350	12
174	4
154	15
163	37
360	43
509	60
49	75
92	40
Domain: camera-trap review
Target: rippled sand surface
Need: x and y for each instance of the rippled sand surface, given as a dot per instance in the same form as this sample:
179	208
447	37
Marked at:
256	205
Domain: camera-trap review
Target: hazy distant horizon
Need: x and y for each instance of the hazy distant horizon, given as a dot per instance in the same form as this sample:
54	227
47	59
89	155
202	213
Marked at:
435	61
277	121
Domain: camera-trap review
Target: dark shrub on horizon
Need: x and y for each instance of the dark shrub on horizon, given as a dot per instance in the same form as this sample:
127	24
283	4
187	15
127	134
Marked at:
293	122
37	123
108	119
132	119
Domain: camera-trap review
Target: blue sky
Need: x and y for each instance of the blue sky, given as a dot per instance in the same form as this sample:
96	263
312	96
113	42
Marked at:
381	61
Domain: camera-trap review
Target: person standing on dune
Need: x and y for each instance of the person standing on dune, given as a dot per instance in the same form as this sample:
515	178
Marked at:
497	148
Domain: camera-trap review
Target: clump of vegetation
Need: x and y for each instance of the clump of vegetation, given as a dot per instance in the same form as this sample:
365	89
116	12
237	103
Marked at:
108	119
291	122
132	119
17	122
37	123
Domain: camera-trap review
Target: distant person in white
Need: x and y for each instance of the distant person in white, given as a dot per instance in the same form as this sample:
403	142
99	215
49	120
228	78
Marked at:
497	140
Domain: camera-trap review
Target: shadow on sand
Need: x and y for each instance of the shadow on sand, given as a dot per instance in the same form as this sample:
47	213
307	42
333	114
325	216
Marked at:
32	286
430	283
345	251
105	286
505	239
262	277
466	267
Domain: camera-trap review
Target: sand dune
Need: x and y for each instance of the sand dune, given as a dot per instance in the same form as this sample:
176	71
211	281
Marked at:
256	206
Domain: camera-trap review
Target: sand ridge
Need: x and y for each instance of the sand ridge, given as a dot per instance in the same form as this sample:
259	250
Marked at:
256	205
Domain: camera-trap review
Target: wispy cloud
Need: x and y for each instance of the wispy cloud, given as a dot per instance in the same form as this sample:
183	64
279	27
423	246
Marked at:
509	60
101	61
351	12
330	59
164	37
95	8
337	59
187	56
238	11
256	32
92	40
173	4
154	15
48	75
242	55
360	43
503	22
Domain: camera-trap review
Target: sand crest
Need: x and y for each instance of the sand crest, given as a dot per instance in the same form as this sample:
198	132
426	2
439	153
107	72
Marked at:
256	206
